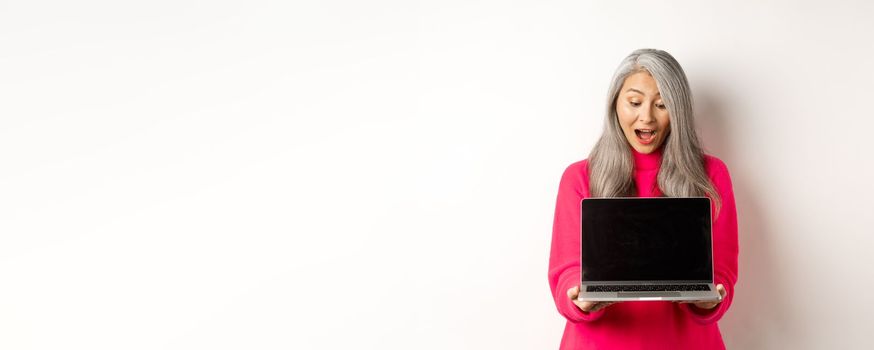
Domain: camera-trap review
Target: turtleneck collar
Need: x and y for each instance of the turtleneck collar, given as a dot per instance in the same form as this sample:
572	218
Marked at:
647	161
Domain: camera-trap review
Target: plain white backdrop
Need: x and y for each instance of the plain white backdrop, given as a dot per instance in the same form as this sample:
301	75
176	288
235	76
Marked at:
382	175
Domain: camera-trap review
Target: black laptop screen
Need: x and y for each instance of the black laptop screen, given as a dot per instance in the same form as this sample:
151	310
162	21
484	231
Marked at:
646	239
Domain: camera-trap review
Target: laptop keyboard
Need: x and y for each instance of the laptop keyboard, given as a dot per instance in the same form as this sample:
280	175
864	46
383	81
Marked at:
648	288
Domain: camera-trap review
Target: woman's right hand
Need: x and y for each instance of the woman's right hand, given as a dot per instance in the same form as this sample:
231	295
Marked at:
587	306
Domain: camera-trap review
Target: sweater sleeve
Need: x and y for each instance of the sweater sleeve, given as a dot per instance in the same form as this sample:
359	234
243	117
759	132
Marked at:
725	248
564	257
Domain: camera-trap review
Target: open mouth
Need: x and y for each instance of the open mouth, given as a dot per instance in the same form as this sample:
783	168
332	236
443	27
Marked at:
645	136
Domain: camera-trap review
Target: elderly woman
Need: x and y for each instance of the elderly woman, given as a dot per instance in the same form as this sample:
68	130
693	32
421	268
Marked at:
649	148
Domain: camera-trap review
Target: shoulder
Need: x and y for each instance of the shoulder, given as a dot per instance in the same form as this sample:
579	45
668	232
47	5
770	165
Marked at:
578	166
716	170
577	170
576	177
714	166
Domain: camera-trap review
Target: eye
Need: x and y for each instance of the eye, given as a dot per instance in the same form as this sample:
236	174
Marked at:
635	104
661	106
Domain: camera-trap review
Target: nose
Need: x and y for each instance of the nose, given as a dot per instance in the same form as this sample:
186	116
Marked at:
645	116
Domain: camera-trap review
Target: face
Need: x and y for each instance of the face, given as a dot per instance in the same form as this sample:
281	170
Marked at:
642	113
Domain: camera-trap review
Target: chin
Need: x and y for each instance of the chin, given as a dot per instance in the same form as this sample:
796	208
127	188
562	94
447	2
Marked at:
647	148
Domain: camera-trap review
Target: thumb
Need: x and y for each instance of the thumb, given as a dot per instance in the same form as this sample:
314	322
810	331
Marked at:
573	292
721	289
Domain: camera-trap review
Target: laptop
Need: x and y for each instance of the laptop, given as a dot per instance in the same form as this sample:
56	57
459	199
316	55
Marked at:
637	248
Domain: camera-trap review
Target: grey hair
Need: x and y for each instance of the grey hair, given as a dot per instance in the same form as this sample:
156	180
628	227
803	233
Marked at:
681	172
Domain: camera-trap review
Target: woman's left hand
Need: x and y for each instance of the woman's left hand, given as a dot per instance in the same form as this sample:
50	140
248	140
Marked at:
707	305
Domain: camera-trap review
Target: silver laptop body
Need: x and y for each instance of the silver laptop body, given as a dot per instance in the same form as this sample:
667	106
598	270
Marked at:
637	248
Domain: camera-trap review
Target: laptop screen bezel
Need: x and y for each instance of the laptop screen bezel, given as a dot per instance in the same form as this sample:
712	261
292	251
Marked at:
632	282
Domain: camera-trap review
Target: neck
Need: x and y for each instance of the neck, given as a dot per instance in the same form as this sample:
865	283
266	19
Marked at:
647	161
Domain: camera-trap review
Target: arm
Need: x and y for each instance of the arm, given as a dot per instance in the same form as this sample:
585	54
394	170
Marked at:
564	257
725	249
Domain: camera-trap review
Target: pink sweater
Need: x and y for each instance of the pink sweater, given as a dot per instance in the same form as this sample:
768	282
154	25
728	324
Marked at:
639	324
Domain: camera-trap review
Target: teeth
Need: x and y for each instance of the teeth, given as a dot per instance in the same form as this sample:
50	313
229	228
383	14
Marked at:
648	132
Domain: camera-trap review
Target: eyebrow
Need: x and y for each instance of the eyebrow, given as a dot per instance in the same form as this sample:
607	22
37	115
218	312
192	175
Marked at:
640	92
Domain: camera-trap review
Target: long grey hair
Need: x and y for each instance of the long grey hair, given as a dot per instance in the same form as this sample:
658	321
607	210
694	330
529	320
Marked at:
681	173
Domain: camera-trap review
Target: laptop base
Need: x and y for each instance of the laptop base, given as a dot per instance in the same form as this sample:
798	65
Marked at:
711	295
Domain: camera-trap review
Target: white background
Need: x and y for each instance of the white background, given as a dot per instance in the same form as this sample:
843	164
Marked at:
382	175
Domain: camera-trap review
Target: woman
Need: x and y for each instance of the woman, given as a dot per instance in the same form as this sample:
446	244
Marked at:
648	148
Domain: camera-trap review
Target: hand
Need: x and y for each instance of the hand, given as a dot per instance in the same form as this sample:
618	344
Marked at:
587	306
707	305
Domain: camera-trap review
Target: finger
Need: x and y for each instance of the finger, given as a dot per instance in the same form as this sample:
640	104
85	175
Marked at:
602	305
721	289
584	305
596	306
707	306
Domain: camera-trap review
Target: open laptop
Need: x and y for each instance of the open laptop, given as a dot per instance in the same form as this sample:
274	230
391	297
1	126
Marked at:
636	248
